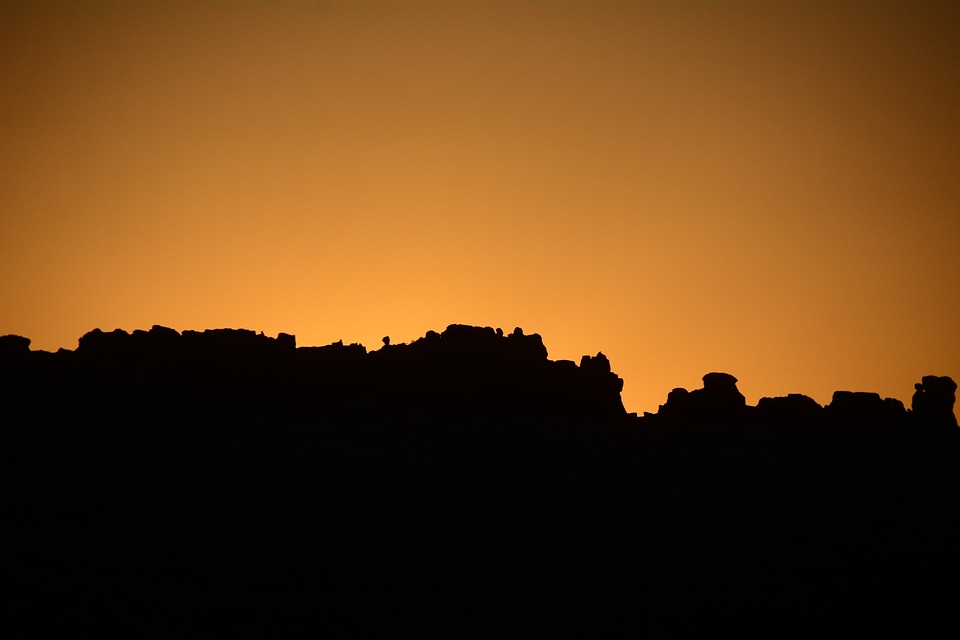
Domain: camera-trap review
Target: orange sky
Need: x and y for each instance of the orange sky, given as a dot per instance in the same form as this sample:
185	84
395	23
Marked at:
768	189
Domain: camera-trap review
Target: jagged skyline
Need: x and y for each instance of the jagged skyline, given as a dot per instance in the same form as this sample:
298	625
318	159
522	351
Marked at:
590	391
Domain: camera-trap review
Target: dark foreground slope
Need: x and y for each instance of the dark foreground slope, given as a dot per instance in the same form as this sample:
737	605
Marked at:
199	482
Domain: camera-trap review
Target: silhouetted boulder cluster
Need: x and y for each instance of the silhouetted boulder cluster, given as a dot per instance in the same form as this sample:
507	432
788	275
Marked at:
463	371
720	402
165	344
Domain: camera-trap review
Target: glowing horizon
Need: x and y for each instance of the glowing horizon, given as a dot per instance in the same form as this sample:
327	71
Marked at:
764	189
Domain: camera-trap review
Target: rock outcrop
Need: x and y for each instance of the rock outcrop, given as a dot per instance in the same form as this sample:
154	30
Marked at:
12	347
164	343
718	400
463	371
933	400
793	408
863	408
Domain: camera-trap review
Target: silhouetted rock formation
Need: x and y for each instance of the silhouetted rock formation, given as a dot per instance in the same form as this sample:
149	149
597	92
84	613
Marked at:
464	371
14	347
720	393
934	399
476	371
793	408
221	470
164	344
718	400
861	408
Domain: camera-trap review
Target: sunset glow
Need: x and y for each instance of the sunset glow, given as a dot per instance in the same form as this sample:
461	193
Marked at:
770	189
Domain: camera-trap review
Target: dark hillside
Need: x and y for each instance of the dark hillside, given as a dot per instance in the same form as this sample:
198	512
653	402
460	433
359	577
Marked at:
464	481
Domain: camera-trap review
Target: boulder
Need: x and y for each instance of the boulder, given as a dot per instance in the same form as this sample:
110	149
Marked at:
862	408
597	365
100	344
792	408
933	400
12	346
718	400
